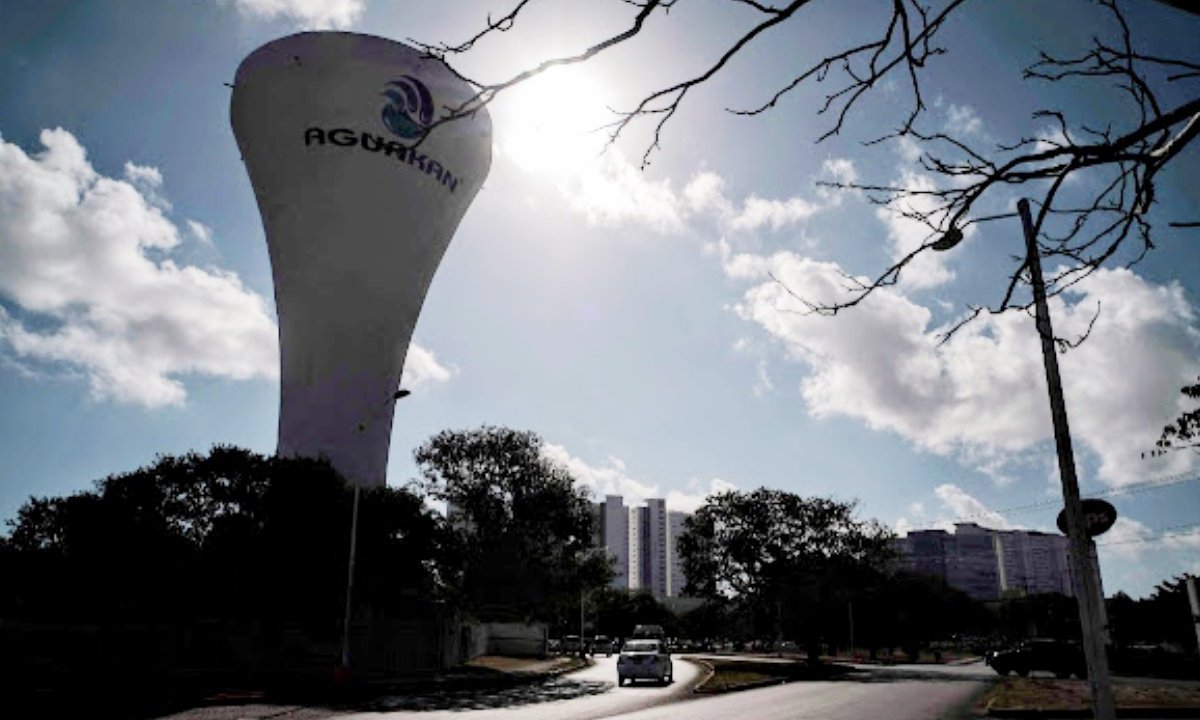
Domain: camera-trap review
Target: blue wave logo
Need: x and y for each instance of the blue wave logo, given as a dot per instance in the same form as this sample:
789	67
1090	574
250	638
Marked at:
409	111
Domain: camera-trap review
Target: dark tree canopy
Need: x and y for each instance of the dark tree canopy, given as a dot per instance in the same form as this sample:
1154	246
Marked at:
230	534
743	545
525	528
1184	431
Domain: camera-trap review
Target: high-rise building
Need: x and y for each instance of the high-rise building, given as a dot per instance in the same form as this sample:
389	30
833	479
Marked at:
614	536
640	540
972	566
1034	562
656	555
986	563
635	548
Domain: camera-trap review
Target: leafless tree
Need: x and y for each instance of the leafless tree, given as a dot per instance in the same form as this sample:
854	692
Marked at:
1110	223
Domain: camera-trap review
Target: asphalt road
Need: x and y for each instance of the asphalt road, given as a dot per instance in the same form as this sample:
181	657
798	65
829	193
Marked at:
916	692
842	700
583	695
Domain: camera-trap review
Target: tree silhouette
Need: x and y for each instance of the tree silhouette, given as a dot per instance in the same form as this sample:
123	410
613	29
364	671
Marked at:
1122	149
525	529
781	558
1184	431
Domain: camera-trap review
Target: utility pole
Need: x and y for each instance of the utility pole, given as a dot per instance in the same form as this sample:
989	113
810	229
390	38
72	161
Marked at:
1194	599
1086	587
850	611
350	583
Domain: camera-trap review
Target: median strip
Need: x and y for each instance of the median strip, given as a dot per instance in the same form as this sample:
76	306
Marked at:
731	675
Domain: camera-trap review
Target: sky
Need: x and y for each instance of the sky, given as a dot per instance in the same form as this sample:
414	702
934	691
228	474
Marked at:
627	316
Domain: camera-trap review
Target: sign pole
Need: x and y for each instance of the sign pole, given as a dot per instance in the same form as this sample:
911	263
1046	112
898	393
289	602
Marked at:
1086	586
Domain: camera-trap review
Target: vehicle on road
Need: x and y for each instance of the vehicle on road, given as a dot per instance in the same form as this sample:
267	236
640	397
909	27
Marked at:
571	645
644	660
648	632
1060	657
603	644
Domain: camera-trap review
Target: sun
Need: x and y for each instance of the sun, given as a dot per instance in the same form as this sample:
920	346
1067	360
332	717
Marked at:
554	121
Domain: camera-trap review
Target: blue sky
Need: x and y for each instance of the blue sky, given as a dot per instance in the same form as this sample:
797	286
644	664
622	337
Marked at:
626	316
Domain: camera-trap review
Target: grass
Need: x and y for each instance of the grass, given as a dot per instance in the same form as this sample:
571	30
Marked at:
729	675
1045	694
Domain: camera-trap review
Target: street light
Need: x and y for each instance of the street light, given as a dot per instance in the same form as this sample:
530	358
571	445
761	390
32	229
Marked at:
362	427
1087	586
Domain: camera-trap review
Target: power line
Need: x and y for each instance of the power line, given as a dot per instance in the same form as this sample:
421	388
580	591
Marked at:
1166	533
1131	489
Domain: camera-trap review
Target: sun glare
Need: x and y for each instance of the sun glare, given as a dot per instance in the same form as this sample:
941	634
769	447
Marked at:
552	121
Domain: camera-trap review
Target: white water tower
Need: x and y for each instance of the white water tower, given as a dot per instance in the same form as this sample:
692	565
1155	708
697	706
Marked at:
357	214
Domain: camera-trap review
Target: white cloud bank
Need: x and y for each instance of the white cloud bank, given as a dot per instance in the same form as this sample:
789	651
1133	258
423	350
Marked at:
612	478
981	396
312	14
85	273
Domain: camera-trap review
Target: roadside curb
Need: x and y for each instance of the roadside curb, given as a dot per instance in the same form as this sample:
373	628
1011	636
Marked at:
546	674
1126	712
699	687
708	675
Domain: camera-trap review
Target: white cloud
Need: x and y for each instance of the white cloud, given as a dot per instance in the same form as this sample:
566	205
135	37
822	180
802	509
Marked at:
968	508
758	212
691	501
705	192
762	379
612	192
421	367
981	396
840	170
314	14
600	480
963	120
1182	540
1126	539
201	232
612	478
906	234
143	176
86	296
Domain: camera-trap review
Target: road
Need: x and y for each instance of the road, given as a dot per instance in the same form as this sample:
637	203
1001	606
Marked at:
583	695
915	692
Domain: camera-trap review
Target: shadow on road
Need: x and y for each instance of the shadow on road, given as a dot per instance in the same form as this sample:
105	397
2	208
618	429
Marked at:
889	675
560	688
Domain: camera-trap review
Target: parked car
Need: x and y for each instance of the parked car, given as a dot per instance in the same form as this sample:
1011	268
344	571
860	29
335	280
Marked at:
644	660
571	645
1060	657
603	644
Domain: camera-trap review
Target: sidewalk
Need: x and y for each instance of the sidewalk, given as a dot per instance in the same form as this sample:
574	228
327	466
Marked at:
485	673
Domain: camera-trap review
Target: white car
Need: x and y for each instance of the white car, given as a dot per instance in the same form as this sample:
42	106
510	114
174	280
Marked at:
644	660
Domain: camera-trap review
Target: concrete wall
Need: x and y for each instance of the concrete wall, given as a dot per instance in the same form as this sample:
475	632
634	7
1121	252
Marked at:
516	639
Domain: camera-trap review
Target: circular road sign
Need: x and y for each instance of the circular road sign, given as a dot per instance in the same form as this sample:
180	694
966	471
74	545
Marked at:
1098	517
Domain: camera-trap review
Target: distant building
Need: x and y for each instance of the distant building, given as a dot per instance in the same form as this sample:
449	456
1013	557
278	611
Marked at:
635	548
656	558
613	534
986	563
1034	562
640	541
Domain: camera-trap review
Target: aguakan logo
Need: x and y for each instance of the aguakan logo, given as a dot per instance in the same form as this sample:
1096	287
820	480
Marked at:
408	115
409	111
